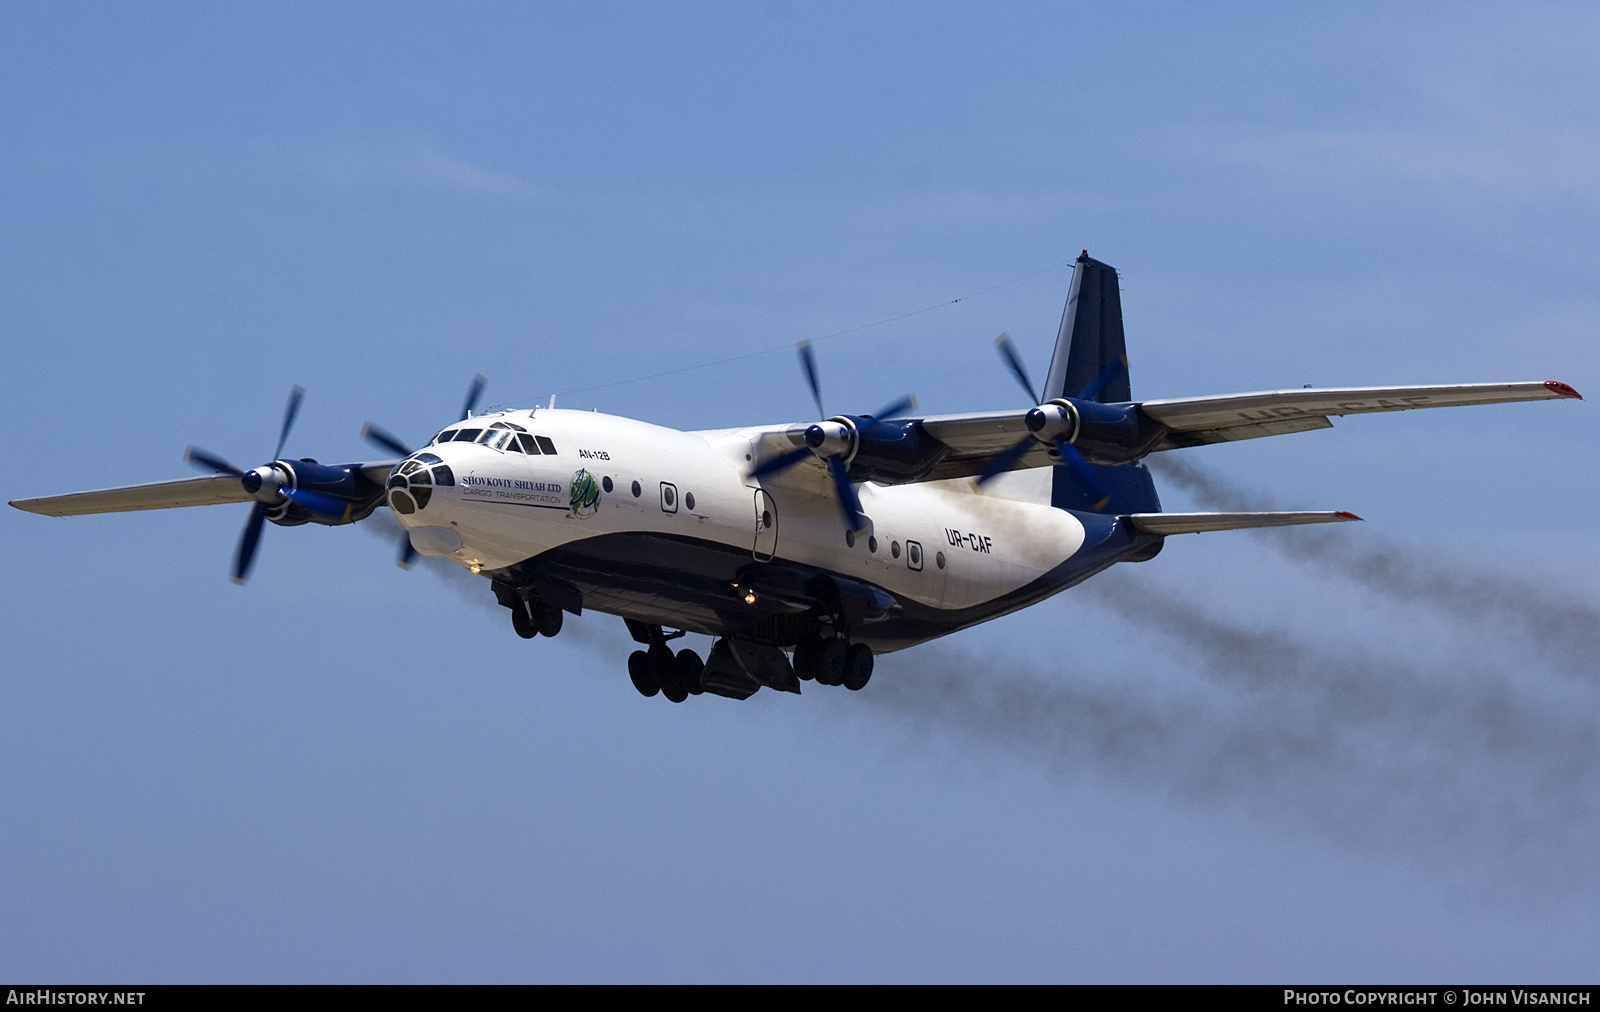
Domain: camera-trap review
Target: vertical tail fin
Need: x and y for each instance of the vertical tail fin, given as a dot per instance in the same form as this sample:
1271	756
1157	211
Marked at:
1091	359
1091	363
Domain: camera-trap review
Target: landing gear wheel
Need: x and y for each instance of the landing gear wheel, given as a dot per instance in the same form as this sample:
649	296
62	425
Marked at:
665	667
857	667
644	679
807	655
547	619
521	622
831	662
690	668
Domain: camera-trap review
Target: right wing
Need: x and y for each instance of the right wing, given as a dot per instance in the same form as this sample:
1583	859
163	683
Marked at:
1194	421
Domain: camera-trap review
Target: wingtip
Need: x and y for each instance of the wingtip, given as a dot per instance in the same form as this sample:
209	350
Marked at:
1561	389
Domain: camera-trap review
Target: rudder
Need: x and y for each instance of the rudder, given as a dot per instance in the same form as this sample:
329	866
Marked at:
1091	356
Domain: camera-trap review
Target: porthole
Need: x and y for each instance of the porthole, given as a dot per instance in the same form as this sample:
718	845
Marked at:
400	502
637	491
913	555
872	544
938	559
894	549
605	483
850	539
766	518
688	501
669	497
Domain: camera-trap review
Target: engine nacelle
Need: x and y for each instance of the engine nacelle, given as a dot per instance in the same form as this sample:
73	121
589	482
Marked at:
1103	433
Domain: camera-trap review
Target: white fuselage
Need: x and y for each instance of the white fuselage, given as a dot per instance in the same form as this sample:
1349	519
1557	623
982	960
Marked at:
942	544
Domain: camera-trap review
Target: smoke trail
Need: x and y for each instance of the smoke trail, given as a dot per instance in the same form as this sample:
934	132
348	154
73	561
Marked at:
1562	626
1371	754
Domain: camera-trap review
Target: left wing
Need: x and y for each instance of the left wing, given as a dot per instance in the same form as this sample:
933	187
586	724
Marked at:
207	490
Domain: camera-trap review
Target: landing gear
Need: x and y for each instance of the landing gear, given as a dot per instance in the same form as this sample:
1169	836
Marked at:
643	674
857	667
535	618
522	623
832	661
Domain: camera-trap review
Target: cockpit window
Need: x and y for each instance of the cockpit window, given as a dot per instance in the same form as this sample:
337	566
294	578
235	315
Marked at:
496	438
467	435
527	443
545	444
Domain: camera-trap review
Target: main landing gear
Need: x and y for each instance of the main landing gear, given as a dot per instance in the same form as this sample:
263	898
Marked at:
739	668
833	661
676	676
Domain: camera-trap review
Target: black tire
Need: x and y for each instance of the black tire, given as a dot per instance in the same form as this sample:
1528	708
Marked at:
643	678
690	668
664	665
521	622
831	662
807	657
547	619
857	667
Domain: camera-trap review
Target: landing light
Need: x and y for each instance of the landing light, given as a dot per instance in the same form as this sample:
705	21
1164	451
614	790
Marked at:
476	567
749	597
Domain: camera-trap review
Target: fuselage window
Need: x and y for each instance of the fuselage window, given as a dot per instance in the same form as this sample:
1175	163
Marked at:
545	444
528	445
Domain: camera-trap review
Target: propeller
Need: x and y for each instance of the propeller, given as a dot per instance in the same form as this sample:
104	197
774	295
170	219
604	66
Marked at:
265	477
1049	423
833	441
381	437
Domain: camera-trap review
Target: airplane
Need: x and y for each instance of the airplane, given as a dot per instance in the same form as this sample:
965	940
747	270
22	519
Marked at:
804	549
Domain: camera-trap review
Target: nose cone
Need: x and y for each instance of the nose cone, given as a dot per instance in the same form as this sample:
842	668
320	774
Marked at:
415	483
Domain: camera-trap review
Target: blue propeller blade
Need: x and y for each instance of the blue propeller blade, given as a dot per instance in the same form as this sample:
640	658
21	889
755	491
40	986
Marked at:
898	408
474	391
1002	461
808	362
206	460
1073	459
1014	362
849	504
324	504
248	541
408	554
295	396
781	463
1109	373
382	437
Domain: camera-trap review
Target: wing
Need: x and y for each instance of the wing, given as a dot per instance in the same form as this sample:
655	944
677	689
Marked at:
207	490
1194	421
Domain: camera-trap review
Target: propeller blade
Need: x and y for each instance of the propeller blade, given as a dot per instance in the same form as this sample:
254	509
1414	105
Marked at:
1014	361
204	460
474	391
324	504
808	362
1002	461
293	408
1073	459
378	436
408	553
849	504
780	463
248	540
1109	373
898	408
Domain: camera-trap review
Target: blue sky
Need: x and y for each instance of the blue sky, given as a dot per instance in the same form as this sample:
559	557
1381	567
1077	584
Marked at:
348	772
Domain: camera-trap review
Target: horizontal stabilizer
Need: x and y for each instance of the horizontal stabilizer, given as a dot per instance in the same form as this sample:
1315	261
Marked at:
1195	523
207	490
